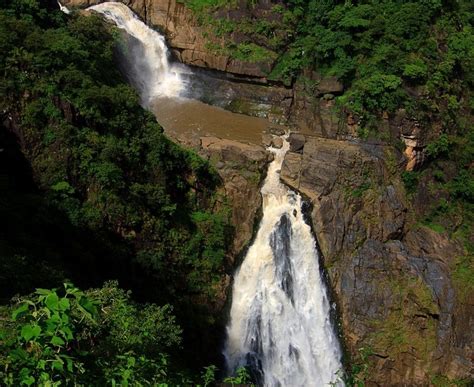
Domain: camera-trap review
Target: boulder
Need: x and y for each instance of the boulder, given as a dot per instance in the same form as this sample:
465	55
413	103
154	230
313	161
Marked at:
277	142
297	142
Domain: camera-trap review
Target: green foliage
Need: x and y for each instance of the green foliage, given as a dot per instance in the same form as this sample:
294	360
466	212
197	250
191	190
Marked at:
359	191
380	50
98	337
376	93
241	376
209	375
439	147
444	381
260	38
100	158
250	52
410	180
103	193
69	337
40	334
398	331
416	71
360	369
206	5
129	327
436	227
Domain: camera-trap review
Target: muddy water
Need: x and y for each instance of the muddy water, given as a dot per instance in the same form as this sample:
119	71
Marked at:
190	119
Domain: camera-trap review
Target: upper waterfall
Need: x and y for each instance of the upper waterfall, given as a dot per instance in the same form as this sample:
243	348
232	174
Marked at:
145	56
280	323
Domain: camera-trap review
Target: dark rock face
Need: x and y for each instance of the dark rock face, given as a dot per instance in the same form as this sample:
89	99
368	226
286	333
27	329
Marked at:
296	142
280	243
314	109
392	279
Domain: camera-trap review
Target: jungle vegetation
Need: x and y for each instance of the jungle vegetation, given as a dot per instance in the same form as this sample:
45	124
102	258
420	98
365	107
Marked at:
91	190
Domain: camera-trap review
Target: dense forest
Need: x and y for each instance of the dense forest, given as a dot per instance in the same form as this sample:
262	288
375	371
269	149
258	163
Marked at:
91	190
113	239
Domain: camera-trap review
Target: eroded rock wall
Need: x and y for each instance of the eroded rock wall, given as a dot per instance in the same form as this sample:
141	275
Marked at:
392	278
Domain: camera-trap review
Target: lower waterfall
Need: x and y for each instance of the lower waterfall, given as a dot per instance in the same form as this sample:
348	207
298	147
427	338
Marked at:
280	324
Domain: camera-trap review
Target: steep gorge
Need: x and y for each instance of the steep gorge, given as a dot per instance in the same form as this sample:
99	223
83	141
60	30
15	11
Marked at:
392	277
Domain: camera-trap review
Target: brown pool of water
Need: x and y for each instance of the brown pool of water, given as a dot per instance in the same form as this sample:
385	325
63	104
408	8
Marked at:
182	118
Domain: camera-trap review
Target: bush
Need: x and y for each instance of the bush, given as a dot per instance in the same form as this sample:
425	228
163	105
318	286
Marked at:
67	336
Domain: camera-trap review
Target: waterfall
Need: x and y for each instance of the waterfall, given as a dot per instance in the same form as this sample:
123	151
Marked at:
280	324
64	9
145	56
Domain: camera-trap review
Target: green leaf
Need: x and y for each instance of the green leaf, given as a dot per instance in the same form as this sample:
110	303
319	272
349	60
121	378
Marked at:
131	361
28	380
23	308
52	301
41	364
18	354
25	376
58	365
67	333
30	331
57	341
69	365
45	377
43	292
87	305
64	304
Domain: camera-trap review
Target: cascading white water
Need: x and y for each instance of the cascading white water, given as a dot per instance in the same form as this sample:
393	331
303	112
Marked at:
64	9
145	55
280	322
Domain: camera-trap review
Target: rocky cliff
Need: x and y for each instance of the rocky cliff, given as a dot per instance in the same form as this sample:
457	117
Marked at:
392	277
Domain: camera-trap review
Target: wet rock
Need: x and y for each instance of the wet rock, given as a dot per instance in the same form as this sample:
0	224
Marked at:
267	139
276	130
290	170
277	142
297	142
